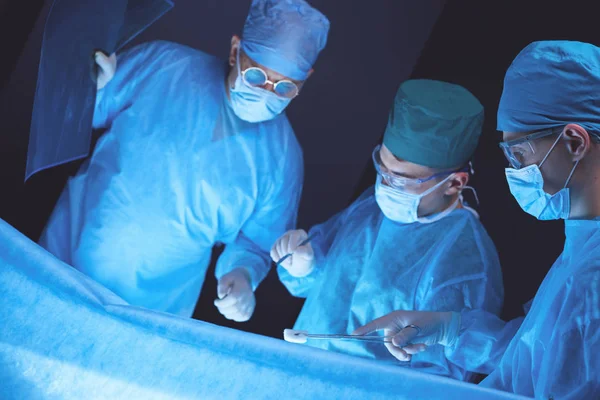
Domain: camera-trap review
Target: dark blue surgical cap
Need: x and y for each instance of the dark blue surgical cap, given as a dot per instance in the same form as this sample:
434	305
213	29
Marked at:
551	84
285	36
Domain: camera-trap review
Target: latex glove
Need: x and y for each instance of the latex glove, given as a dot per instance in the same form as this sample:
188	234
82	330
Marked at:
107	66
236	299
436	328
302	261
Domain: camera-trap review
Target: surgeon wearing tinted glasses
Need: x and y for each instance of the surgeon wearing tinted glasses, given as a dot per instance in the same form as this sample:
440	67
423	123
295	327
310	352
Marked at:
256	92
198	151
410	241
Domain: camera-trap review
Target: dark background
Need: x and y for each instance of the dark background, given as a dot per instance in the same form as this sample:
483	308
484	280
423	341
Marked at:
373	46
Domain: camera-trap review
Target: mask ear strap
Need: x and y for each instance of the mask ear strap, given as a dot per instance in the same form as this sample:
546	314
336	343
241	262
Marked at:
472	189
237	59
550	151
437	185
466	205
571	174
440	215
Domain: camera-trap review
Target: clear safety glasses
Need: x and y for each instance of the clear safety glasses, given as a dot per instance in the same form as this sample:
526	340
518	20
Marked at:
402	183
519	151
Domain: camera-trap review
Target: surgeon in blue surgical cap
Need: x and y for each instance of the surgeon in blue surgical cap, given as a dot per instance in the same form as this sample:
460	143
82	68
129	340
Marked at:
408	242
549	114
198	151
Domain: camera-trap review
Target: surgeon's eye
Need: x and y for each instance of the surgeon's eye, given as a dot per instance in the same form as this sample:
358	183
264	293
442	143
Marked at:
520	156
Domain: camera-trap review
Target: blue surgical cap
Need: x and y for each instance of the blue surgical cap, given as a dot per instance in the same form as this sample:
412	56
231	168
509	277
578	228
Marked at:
551	84
433	123
285	36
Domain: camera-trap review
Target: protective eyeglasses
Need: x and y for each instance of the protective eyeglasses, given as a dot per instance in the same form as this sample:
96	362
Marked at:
520	150
256	77
402	183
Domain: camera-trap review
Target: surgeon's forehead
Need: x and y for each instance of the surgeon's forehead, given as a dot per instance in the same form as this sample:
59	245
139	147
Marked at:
247	62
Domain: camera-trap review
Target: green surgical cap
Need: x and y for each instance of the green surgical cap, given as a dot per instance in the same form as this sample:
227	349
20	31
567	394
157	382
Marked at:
434	124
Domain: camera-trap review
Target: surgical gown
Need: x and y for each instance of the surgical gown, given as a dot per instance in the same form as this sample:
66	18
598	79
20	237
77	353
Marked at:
176	172
553	352
368	266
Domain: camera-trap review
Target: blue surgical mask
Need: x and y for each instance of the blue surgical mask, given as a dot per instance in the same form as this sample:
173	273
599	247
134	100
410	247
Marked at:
527	187
254	104
403	207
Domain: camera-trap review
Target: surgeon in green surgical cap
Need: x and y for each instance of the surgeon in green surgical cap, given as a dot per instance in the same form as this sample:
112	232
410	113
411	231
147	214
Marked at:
407	243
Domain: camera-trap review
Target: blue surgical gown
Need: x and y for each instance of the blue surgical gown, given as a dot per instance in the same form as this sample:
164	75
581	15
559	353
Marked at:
176	172
553	351
368	266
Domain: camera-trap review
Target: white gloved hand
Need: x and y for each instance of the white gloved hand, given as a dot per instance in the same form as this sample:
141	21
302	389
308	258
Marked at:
302	260
433	328
107	66
236	299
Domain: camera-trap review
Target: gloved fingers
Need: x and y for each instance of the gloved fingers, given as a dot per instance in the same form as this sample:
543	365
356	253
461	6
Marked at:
275	254
232	289
232	314
305	252
240	312
415	348
241	317
107	68
227	301
225	286
405	336
277	249
288	244
296	238
376	325
233	303
282	252
229	283
281	244
287	263
285	243
103	61
228	311
398	352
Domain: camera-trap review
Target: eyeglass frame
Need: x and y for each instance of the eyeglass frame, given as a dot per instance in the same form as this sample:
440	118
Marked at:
414	181
274	84
505	146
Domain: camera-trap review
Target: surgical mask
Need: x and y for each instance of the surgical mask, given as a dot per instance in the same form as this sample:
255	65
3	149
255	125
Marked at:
527	187
254	104
403	207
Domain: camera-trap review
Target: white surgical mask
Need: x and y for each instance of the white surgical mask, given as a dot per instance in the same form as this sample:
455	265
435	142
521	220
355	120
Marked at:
527	187
254	104
403	207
